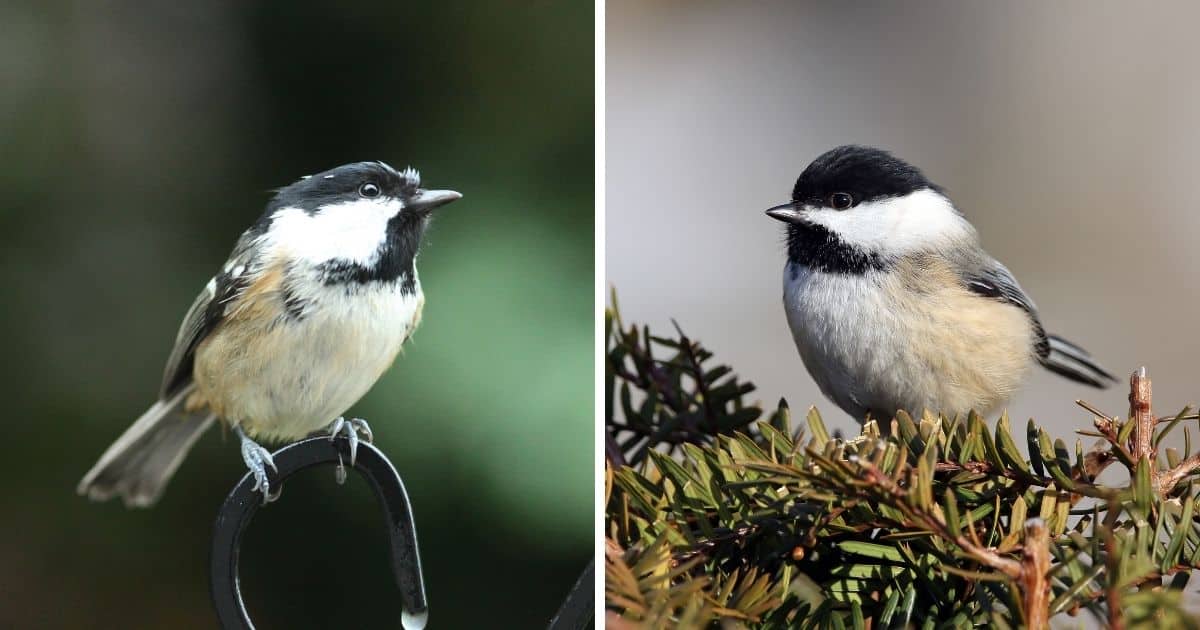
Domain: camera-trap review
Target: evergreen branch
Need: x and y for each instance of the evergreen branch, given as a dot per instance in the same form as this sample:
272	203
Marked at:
716	514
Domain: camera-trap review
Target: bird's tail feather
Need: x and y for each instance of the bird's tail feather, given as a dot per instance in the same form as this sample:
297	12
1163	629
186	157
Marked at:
1073	362
141	462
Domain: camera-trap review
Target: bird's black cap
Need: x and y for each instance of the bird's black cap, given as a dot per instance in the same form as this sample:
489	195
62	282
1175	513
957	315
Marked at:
841	179
344	183
866	173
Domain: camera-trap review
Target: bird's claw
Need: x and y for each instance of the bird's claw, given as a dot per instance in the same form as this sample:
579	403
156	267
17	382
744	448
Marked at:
339	474
257	460
351	428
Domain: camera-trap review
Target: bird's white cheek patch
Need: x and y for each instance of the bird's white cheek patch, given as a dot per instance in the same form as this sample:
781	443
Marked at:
347	231
898	225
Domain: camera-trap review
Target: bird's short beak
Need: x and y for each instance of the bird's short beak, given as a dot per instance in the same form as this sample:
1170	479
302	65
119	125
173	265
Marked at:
788	213
426	200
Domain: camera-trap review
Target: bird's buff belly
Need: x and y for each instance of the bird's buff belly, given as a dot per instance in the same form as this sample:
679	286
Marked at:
282	382
948	352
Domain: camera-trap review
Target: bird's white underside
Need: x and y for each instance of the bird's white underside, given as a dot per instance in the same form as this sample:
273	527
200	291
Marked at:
871	343
282	382
344	346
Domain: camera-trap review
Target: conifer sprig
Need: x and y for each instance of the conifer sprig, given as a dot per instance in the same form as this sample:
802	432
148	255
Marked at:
723	514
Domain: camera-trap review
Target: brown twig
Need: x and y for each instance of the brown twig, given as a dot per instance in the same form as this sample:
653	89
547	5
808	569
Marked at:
1165	480
1097	458
1143	436
987	468
1095	411
1141	442
1143	417
1035	565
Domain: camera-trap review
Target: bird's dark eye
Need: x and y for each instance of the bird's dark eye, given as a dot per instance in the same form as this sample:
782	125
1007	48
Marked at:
841	200
369	189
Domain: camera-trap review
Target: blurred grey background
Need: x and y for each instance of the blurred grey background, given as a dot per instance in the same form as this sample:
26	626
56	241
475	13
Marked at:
139	139
1068	133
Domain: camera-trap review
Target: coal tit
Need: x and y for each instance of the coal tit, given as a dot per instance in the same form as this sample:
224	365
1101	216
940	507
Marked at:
893	303
311	308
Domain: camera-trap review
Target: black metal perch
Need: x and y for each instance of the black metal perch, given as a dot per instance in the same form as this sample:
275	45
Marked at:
242	503
578	611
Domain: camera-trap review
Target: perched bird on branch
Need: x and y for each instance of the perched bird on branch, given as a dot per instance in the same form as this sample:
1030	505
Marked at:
311	308
893	303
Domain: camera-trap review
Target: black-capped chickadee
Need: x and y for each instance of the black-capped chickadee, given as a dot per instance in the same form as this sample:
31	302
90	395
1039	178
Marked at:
311	308
894	305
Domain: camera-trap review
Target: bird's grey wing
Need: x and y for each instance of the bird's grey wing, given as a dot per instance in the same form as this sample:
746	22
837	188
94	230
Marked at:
195	326
206	312
992	279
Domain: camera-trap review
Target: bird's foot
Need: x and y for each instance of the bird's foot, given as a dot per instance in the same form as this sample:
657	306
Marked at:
257	460
350	428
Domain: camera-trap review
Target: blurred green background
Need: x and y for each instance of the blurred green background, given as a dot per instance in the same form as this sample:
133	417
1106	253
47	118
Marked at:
139	140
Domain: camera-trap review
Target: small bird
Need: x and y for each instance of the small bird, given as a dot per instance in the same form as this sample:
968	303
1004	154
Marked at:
893	303
311	308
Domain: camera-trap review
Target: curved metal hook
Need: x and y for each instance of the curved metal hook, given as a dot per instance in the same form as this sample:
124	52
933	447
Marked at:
578	611
242	503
